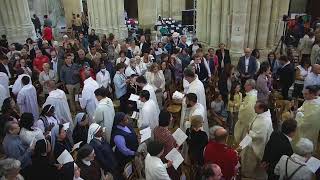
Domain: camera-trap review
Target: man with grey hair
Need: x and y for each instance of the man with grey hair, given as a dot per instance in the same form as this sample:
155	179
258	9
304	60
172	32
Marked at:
294	166
246	111
13	147
88	100
10	169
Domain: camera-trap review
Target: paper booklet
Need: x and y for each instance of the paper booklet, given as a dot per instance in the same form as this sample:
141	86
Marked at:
175	157
179	136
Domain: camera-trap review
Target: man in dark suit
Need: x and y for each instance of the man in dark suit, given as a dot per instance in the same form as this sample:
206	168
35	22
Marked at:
201	69
247	66
143	44
279	144
5	66
286	76
223	57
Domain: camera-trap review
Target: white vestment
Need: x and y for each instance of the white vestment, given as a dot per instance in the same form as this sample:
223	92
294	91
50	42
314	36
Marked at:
152	93
4	81
260	131
149	115
103	79
129	71
27	100
196	87
308	120
17	86
88	101
246	115
58	99
155	169
3	95
104	115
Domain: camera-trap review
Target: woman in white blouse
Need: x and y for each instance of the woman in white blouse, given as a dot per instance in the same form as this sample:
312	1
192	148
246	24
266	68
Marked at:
123	58
134	48
156	79
132	68
302	72
45	76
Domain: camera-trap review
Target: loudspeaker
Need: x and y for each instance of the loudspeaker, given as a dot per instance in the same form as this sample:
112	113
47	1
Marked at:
188	17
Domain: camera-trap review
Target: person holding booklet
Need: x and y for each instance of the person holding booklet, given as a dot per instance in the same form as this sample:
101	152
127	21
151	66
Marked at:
61	143
260	131
163	135
149	113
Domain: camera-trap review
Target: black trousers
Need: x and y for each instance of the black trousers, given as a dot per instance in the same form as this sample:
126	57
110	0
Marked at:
123	104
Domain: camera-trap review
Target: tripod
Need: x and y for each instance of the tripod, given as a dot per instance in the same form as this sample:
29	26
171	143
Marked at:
282	39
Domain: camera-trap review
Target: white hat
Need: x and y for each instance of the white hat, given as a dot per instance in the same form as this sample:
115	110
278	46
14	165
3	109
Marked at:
175	35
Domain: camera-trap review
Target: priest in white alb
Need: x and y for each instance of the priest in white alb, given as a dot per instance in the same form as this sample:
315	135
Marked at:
17	86
27	98
308	115
149	113
58	99
88	100
104	114
246	111
259	130
195	86
142	83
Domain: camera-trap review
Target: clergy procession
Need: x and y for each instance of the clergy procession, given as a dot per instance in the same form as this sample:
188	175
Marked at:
91	107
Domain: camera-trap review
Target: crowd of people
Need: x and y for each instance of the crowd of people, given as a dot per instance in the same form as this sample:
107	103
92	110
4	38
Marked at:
75	96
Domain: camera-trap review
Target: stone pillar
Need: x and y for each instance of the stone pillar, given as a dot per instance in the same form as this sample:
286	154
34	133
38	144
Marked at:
273	24
71	7
283	10
264	21
224	29
40	8
147	13
253	23
15	20
107	16
239	21
214	28
176	8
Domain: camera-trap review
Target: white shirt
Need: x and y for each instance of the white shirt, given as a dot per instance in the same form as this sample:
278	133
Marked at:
126	61
103	79
247	63
149	115
155	169
312	79
55	65
7	69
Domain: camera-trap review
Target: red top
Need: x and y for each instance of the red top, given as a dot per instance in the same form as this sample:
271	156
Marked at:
83	76
223	156
47	34
39	61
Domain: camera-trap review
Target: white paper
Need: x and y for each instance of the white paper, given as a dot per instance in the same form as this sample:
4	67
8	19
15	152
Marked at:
313	164
145	134
32	141
246	141
175	157
177	95
128	170
179	136
66	126
76	97
135	115
65	157
76	146
134	97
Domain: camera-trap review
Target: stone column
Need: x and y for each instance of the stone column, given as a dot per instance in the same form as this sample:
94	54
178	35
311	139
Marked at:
253	24
147	13
107	16
224	29
201	21
215	17
15	20
239	21
40	8
273	24
283	10
71	7
264	21
176	8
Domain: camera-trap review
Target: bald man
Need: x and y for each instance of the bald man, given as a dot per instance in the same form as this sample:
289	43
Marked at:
218	152
247	65
212	172
313	78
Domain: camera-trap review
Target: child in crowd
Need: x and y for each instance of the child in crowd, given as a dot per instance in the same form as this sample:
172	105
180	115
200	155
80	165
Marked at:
234	101
218	110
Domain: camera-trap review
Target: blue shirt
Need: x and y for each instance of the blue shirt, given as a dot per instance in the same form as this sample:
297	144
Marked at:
120	84
121	143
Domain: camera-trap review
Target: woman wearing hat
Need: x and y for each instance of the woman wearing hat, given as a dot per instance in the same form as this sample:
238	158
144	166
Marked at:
80	132
125	139
104	154
90	169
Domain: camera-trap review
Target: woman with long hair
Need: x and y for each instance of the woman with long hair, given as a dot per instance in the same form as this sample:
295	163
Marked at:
234	101
264	82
